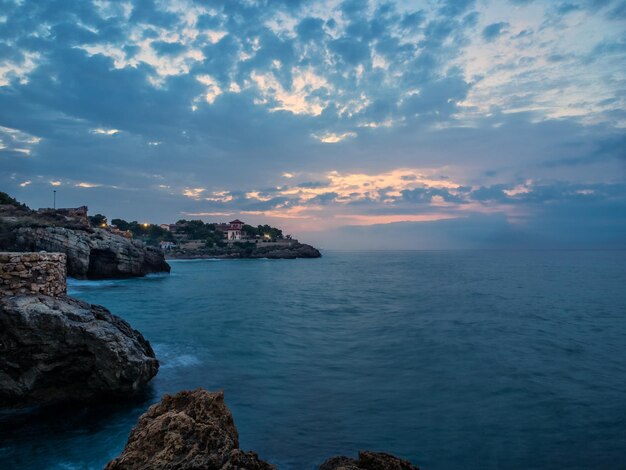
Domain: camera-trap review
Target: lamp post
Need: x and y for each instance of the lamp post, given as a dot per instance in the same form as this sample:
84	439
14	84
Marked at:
54	199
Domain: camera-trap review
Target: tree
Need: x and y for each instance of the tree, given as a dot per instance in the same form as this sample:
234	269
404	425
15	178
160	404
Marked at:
97	220
5	199
250	230
271	232
121	224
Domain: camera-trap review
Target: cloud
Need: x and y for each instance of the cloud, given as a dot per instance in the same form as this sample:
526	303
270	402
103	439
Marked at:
101	131
17	143
315	112
494	30
332	138
193	192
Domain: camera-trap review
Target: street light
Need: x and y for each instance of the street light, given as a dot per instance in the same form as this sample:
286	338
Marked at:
54	203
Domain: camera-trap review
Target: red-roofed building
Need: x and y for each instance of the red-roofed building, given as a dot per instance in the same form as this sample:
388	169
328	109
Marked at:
235	231
236	224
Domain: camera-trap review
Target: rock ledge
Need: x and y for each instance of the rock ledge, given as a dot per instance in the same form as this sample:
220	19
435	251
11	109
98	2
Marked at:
55	349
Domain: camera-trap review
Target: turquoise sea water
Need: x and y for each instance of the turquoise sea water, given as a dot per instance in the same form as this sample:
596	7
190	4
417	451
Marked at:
466	359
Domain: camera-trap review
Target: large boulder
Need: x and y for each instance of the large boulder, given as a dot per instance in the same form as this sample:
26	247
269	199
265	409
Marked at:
189	430
93	253
55	349
368	461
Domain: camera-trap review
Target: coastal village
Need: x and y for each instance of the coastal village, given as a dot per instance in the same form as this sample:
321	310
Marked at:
180	240
195	238
235	231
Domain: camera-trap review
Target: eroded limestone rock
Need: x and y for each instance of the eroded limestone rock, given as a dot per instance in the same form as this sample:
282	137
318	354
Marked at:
189	430
94	253
54	349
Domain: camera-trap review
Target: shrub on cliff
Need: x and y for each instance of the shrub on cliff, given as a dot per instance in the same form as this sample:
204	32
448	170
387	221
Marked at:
97	220
5	199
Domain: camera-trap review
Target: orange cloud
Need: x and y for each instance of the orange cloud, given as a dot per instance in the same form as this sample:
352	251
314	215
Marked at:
389	219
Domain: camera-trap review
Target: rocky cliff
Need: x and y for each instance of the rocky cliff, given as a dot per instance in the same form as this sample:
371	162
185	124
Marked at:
92	253
195	430
55	349
95	253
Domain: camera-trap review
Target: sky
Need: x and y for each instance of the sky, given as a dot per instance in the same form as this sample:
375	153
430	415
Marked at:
356	124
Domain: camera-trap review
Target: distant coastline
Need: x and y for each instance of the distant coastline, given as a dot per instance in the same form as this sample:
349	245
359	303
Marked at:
98	249
290	250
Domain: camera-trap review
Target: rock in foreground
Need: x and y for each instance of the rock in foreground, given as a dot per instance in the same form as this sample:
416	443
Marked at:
195	430
368	461
59	349
189	430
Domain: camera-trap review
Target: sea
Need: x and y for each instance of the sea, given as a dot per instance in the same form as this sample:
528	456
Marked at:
450	359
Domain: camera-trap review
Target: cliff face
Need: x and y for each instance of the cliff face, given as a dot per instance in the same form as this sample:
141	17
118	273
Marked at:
93	254
55	349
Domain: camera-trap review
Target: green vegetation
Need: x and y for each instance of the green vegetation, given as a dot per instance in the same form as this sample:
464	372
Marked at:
5	199
197	230
97	220
263	230
187	230
150	234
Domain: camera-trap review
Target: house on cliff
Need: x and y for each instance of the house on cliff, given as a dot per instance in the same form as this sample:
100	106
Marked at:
235	232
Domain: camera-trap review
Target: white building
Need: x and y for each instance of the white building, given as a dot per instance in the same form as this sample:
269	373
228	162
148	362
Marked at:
235	231
165	246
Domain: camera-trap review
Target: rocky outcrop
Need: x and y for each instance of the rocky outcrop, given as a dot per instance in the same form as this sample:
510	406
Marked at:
368	461
58	349
195	430
94	253
247	251
298	250
189	430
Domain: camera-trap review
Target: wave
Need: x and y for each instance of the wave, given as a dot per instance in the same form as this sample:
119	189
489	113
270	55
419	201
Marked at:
74	285
171	357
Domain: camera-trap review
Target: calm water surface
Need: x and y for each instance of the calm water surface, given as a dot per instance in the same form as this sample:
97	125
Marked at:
461	359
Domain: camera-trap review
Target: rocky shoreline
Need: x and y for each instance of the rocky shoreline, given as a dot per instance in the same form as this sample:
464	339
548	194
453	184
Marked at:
196	430
95	253
92	253
55	349
292	251
59	349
